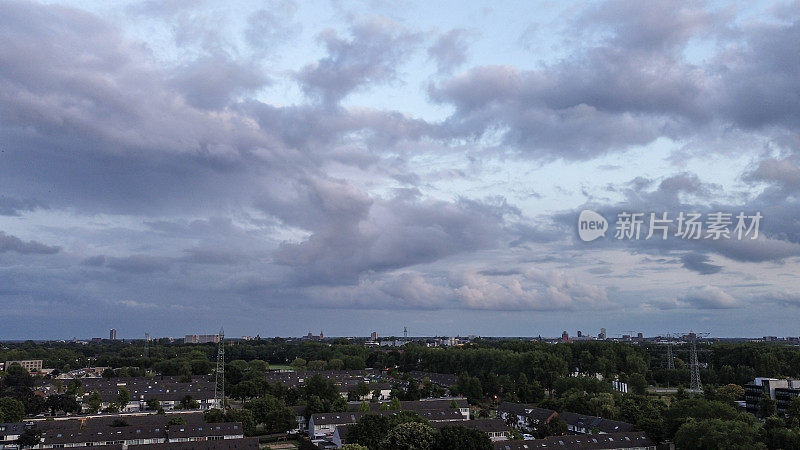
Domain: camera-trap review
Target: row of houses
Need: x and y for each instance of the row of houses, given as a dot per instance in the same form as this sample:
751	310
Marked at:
527	417
169	391
133	431
345	381
611	441
495	429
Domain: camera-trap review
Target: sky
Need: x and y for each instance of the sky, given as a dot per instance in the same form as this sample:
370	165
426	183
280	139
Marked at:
282	167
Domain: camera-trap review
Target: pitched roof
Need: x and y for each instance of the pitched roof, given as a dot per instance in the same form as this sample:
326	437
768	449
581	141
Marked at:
580	442
484	425
590	422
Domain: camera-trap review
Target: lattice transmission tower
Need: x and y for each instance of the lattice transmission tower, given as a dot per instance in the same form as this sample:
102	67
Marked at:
695	383
219	387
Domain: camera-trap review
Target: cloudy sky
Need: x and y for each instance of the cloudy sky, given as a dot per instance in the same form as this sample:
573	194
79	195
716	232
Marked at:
281	167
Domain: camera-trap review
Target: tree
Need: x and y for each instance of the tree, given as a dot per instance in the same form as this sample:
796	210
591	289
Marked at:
187	402
273	413
119	422
29	438
214	415
62	403
553	427
369	431
11	410
716	434
638	384
730	393
395	405
457	437
94	401
298	364
360	391
176	420
793	411
153	404
16	375
410	436
123	398
363	407
766	406
353	447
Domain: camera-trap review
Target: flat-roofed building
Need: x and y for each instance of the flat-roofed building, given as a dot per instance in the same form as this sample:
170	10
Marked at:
31	365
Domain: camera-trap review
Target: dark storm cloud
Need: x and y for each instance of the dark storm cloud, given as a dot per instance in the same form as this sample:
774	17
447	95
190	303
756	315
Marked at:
699	263
11	206
450	50
9	243
353	233
378	45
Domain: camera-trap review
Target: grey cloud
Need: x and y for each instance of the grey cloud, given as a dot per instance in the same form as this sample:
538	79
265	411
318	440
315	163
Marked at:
212	81
11	206
94	261
699	263
138	264
782	298
372	55
782	173
353	233
9	243
633	85
450	49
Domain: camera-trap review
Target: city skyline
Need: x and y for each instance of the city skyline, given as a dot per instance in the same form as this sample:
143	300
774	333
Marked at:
294	166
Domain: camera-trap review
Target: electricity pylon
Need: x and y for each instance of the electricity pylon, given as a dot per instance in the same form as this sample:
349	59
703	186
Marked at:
219	387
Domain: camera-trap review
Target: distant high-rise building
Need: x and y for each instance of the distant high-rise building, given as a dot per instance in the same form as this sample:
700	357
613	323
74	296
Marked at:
639	336
564	336
112	334
580	333
602	334
373	336
201	338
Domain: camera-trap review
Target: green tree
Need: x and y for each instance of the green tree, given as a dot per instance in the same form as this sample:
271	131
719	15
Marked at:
176	420
354	447
716	434
153	404
11	410
410	436
271	412
94	402
29	438
62	403
766	406
457	437
638	384
793	411
187	402
730	393
123	398
298	364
